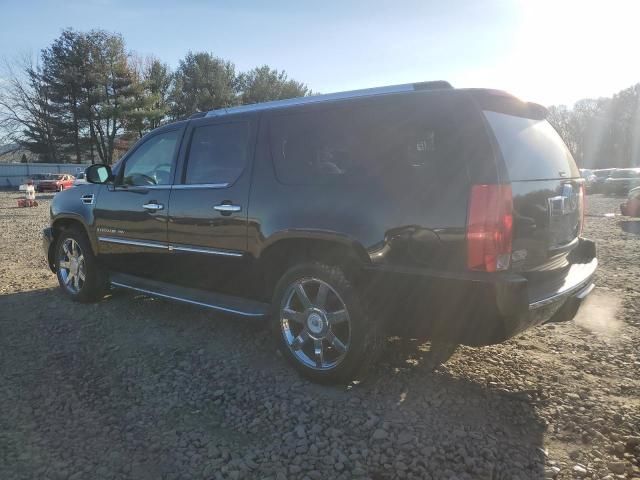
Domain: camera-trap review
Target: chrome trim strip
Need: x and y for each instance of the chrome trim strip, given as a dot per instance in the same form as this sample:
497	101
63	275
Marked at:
186	300
585	291
585	284
180	186
138	243
130	188
207	251
191	186
179	248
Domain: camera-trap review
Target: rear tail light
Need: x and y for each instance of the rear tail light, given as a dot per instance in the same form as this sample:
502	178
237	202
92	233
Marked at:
489	228
581	206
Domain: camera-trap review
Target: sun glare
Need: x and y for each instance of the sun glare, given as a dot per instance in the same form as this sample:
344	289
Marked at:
571	49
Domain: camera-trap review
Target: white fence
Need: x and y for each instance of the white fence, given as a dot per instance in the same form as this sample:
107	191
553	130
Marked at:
13	174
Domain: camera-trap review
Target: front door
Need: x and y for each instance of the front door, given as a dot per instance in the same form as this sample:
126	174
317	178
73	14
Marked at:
131	214
208	208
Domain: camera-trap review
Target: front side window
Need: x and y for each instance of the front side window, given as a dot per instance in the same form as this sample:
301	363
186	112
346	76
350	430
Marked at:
218	153
152	162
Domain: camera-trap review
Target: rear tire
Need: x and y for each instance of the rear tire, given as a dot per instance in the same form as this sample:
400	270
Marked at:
77	269
320	325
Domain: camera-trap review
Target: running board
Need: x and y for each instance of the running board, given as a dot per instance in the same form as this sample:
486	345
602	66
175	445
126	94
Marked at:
202	298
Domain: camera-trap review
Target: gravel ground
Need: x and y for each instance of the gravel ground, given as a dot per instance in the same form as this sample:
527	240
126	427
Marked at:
144	389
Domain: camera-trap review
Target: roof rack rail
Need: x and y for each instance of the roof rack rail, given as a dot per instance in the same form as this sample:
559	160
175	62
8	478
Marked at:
367	92
198	115
432	85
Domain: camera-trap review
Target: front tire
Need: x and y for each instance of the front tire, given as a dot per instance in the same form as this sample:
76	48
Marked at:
320	325
78	272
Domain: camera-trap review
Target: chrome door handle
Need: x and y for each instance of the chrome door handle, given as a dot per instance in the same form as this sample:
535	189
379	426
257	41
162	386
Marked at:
153	206
227	208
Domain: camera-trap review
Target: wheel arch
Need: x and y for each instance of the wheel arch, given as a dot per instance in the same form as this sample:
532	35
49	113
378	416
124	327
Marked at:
288	248
69	221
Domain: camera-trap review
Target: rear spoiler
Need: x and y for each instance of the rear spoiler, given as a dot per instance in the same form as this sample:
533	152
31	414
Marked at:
503	102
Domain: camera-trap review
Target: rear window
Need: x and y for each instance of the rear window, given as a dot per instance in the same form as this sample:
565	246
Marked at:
389	139
532	149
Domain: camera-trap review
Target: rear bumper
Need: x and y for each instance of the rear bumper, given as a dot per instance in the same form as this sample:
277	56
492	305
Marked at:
479	308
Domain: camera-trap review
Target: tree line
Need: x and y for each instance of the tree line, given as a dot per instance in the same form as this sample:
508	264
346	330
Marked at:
603	132
86	95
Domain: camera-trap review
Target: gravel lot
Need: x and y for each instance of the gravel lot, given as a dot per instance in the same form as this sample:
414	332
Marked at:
144	389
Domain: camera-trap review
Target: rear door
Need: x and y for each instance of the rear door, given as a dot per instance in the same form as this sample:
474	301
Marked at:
546	186
209	205
131	214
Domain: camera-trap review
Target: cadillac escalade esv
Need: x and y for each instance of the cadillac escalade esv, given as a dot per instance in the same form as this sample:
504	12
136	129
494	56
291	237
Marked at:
415	210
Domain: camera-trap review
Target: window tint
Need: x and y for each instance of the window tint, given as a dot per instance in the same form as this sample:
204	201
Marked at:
218	153
532	149
152	162
396	138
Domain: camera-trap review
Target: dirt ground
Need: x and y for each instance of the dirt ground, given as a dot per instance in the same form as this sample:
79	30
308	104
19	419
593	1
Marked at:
138	388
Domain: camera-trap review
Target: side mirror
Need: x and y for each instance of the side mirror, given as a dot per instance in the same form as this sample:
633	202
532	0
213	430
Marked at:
98	173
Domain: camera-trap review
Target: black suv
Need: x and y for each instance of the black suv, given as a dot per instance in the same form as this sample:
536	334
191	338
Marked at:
416	210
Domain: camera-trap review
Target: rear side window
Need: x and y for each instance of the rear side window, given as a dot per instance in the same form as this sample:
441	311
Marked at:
401	138
532	149
218	153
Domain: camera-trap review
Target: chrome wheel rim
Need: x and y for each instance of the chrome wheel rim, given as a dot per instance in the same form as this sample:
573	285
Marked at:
318	331
71	266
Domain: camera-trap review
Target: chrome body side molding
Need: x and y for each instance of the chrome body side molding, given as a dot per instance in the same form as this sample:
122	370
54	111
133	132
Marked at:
206	251
126	241
171	248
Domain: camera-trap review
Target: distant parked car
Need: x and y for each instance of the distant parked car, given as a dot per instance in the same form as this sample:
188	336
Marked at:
631	208
601	175
56	182
621	181
35	179
80	180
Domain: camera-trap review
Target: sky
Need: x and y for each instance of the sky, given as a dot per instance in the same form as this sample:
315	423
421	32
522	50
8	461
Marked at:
551	52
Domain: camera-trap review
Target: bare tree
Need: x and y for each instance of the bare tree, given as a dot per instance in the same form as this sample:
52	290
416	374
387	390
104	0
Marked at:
25	113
